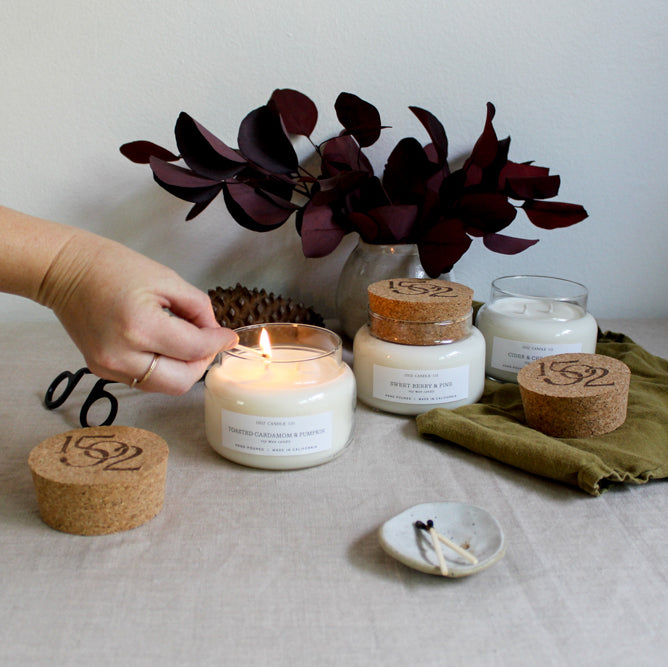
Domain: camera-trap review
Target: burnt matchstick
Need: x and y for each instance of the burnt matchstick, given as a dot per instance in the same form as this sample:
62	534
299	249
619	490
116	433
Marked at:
455	547
449	543
252	350
436	544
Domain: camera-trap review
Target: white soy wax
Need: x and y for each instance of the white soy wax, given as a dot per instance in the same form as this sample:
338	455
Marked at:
419	350
531	317
293	411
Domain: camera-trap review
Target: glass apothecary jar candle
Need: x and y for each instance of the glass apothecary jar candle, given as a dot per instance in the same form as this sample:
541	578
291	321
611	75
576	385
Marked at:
530	317
419	349
286	406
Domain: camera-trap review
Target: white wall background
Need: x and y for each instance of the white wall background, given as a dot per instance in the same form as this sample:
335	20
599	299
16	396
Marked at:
581	87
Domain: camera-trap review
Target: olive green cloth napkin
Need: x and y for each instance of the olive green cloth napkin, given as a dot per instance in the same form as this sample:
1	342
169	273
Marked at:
636	452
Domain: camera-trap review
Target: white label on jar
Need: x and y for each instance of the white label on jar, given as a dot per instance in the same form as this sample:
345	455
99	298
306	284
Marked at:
277	436
440	385
513	355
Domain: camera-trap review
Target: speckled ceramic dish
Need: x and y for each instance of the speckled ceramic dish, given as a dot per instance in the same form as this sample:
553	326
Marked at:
471	528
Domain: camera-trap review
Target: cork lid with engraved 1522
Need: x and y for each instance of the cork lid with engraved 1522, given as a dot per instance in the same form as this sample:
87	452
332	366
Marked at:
99	480
419	311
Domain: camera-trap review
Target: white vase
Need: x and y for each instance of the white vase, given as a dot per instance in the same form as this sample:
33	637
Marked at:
367	264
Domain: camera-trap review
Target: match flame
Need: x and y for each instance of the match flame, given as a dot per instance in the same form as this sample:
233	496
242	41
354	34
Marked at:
265	344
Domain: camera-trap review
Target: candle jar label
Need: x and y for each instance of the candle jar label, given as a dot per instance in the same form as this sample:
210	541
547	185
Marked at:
400	385
513	355
276	436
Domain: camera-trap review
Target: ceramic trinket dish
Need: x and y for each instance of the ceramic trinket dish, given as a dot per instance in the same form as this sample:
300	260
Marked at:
470	528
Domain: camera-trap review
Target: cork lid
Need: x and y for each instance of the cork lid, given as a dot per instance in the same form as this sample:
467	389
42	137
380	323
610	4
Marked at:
99	480
575	395
419	311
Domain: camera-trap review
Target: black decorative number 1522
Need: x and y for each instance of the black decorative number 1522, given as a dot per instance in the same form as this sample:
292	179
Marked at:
99	450
573	371
421	288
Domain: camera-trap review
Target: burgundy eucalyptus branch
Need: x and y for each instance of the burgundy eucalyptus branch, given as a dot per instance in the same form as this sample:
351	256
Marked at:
418	199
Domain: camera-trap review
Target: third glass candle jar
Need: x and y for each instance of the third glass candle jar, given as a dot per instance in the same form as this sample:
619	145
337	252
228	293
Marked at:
531	317
419	349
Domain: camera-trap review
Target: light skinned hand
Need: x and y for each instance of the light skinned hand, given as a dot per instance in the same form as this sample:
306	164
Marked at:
120	308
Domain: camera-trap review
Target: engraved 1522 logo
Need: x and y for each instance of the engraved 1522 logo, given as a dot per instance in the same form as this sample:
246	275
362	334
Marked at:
421	287
573	371
100	450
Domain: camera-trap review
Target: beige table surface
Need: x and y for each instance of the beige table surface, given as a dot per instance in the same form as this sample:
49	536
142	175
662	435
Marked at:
249	567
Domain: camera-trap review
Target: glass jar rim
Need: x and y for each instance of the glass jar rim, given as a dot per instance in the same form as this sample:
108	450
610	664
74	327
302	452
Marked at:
318	340
389	248
580	293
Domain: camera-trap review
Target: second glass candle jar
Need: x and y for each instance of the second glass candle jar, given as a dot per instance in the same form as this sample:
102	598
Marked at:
419	349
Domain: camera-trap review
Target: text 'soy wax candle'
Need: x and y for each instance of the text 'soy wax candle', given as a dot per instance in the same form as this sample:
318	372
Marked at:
531	317
419	350
293	408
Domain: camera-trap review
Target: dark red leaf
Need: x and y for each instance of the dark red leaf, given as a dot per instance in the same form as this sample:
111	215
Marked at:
436	132
407	171
172	174
452	188
542	187
474	174
487	145
319	231
521	170
343	153
395	223
365	226
142	151
338	186
195	195
553	215
489	178
433	186
254	209
203	152
386	224
278	195
442	246
359	118
198	208
183	183
262	140
486	211
298	112
369	195
506	245
279	185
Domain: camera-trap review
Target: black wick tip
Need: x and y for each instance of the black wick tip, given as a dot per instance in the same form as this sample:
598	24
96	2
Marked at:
430	524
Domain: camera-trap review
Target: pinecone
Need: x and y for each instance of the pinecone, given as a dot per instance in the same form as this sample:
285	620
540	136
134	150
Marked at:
239	306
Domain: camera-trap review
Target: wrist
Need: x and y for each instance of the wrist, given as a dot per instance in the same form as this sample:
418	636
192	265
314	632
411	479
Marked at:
70	263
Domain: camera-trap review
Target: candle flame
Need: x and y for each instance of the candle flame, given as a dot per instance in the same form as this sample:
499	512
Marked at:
265	344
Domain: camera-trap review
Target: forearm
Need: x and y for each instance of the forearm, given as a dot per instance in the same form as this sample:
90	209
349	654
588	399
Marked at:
119	307
29	247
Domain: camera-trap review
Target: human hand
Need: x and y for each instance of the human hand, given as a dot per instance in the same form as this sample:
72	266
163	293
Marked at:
121	308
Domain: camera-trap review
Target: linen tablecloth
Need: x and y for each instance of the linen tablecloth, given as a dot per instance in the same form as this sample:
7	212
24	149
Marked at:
250	567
